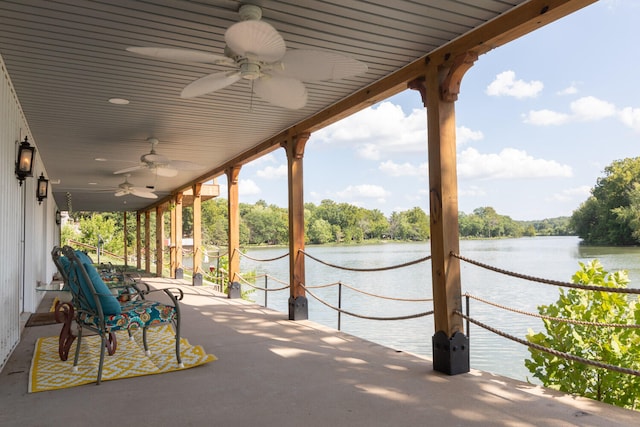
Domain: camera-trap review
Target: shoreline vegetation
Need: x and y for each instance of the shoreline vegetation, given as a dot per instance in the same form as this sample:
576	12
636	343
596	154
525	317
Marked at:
329	223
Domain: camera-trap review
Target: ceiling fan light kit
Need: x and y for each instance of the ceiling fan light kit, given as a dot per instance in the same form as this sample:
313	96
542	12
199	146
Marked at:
127	188
258	54
159	164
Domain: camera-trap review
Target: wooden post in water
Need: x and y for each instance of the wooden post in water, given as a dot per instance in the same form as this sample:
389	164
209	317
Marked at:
233	202
298	306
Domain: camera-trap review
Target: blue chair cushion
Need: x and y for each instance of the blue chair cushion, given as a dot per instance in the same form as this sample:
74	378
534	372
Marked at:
110	304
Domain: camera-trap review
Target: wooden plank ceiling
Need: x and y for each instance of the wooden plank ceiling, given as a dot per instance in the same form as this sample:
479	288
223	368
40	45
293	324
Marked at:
67	58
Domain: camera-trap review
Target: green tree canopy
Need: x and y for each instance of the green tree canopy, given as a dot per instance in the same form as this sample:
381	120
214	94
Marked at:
610	216
610	345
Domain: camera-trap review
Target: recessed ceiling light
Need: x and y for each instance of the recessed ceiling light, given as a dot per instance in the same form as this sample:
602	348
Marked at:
100	159
119	101
92	183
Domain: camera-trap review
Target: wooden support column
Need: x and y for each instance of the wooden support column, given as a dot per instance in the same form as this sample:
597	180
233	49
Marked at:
138	241
172	238
147	241
439	90
125	238
159	240
234	289
197	235
298	304
179	271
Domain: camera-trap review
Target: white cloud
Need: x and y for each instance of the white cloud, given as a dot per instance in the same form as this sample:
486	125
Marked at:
472	191
570	90
570	194
383	128
464	135
363	191
406	169
586	109
591	108
505	84
546	118
630	117
247	187
273	173
508	164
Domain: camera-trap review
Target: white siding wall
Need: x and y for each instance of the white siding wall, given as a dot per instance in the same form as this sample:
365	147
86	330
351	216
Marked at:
27	230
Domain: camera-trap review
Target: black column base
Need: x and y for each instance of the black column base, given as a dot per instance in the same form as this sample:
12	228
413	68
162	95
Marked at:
197	279
450	355
234	290
179	273
298	308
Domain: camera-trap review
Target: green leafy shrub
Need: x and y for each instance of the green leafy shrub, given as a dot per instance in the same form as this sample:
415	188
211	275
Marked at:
610	345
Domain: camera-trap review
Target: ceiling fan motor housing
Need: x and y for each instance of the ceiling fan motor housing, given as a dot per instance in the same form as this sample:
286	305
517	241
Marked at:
250	11
250	70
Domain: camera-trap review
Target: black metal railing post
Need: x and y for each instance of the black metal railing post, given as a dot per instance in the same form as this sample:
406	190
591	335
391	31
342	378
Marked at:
339	305
266	285
468	315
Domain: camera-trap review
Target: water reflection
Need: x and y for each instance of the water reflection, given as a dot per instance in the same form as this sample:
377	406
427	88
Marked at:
553	258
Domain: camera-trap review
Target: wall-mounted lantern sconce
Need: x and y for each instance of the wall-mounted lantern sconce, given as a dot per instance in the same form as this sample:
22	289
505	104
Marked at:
43	188
24	164
58	218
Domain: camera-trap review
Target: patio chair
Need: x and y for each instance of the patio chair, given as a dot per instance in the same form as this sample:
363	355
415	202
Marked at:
95	308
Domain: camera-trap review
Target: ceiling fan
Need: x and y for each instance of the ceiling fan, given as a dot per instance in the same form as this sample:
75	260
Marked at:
123	189
127	188
256	52
161	165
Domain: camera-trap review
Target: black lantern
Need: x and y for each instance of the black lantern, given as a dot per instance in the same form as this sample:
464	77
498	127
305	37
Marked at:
43	188
58	218
24	164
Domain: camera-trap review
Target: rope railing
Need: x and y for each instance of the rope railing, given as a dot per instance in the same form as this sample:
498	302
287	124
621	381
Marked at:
406	264
548	350
246	282
262	260
353	288
539	347
554	319
547	281
218	256
340	310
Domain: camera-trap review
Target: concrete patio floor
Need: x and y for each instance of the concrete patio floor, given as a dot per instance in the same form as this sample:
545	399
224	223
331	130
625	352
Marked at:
274	372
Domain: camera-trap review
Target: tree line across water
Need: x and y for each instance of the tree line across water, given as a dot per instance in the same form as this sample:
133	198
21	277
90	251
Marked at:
610	216
328	222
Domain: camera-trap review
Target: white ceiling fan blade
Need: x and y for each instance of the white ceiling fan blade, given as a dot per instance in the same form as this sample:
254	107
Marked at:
317	65
181	55
255	38
121	193
143	192
130	169
154	158
210	83
166	172
282	91
184	165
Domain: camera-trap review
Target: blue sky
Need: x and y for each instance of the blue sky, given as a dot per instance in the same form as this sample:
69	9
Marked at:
538	120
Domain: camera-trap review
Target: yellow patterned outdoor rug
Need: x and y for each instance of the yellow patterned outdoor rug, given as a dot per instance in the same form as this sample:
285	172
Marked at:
48	372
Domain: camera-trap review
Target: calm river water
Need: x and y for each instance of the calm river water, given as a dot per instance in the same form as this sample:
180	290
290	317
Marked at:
547	257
